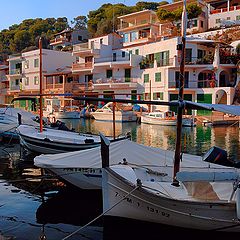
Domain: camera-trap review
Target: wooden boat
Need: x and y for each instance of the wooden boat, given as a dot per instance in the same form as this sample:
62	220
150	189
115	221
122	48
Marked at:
198	197
51	141
167	118
122	113
9	121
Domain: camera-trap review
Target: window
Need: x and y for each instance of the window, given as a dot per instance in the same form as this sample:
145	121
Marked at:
218	20
130	52
238	17
123	54
26	64
80	38
162	58
146	78
36	80
188	57
137	51
109	73
101	40
26	81
126	38
201	24
133	36
157	77
158	96
17	81
228	18
36	62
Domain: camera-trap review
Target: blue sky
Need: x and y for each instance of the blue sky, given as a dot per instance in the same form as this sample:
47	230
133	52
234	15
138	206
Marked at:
15	11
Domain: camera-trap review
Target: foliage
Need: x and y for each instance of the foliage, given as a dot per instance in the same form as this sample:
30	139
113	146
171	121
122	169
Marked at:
26	34
238	49
80	22
193	11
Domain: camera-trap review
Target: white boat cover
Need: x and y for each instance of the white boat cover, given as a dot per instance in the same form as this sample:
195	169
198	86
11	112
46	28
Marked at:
133	152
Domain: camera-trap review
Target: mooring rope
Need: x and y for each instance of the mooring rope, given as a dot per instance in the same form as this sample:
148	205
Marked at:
96	218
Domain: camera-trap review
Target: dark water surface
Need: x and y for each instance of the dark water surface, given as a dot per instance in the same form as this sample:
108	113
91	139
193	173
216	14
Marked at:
35	208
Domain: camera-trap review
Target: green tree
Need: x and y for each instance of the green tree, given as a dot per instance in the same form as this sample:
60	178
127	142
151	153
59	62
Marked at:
22	39
79	22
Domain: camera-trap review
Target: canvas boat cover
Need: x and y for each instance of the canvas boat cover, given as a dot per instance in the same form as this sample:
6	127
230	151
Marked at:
133	152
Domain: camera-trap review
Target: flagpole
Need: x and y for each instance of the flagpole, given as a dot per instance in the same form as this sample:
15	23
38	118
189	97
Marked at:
182	47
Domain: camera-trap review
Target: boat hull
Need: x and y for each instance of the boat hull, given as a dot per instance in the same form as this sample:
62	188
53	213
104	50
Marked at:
119	116
84	178
145	206
166	122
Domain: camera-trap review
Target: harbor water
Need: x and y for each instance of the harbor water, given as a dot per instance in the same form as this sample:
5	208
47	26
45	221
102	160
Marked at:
33	207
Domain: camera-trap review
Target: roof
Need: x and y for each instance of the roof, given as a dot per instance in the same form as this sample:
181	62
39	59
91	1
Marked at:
137	13
206	42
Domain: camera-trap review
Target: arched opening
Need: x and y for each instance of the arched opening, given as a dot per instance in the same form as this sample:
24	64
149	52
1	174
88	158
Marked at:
221	97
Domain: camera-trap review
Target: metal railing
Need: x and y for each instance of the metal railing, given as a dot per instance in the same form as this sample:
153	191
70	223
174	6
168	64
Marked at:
82	66
202	61
15	71
221	10
116	80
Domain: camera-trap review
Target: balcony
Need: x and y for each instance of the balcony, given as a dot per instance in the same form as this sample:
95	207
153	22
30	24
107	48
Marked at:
14	88
113	61
124	26
233	8
199	61
17	71
84	49
59	40
115	83
82	67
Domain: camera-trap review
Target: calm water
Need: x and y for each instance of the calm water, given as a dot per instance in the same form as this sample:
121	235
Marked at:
31	208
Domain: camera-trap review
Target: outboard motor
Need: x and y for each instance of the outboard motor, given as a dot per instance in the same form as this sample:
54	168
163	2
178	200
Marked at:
218	156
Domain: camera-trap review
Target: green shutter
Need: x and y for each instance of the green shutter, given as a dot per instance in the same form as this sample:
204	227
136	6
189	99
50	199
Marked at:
146	78
157	77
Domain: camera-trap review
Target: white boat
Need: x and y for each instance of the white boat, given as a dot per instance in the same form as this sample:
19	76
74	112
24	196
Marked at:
51	141
200	197
55	112
166	118
86	172
201	201
122	113
9	121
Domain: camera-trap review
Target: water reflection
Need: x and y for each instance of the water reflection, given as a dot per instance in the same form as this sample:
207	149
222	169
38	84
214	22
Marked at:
31	208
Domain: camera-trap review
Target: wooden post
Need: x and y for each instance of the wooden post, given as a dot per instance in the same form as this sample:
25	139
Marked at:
41	85
114	120
104	150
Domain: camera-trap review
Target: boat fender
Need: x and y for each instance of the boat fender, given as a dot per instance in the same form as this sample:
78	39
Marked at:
89	140
238	201
46	139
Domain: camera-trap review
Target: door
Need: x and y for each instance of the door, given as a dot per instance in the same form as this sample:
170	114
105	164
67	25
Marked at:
127	75
204	98
187	97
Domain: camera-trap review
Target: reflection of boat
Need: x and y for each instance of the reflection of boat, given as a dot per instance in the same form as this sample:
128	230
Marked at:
56	141
122	113
167	118
70	206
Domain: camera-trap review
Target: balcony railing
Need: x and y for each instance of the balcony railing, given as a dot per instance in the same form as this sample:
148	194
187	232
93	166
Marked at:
15	71
135	24
201	61
115	80
145	64
196	84
118	58
233	8
15	88
82	66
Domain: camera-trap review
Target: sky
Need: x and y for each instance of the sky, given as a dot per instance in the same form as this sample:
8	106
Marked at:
15	11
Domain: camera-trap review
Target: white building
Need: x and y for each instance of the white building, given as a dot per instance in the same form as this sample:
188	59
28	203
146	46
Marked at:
24	69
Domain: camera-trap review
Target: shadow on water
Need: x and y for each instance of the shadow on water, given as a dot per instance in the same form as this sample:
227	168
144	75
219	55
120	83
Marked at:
71	205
